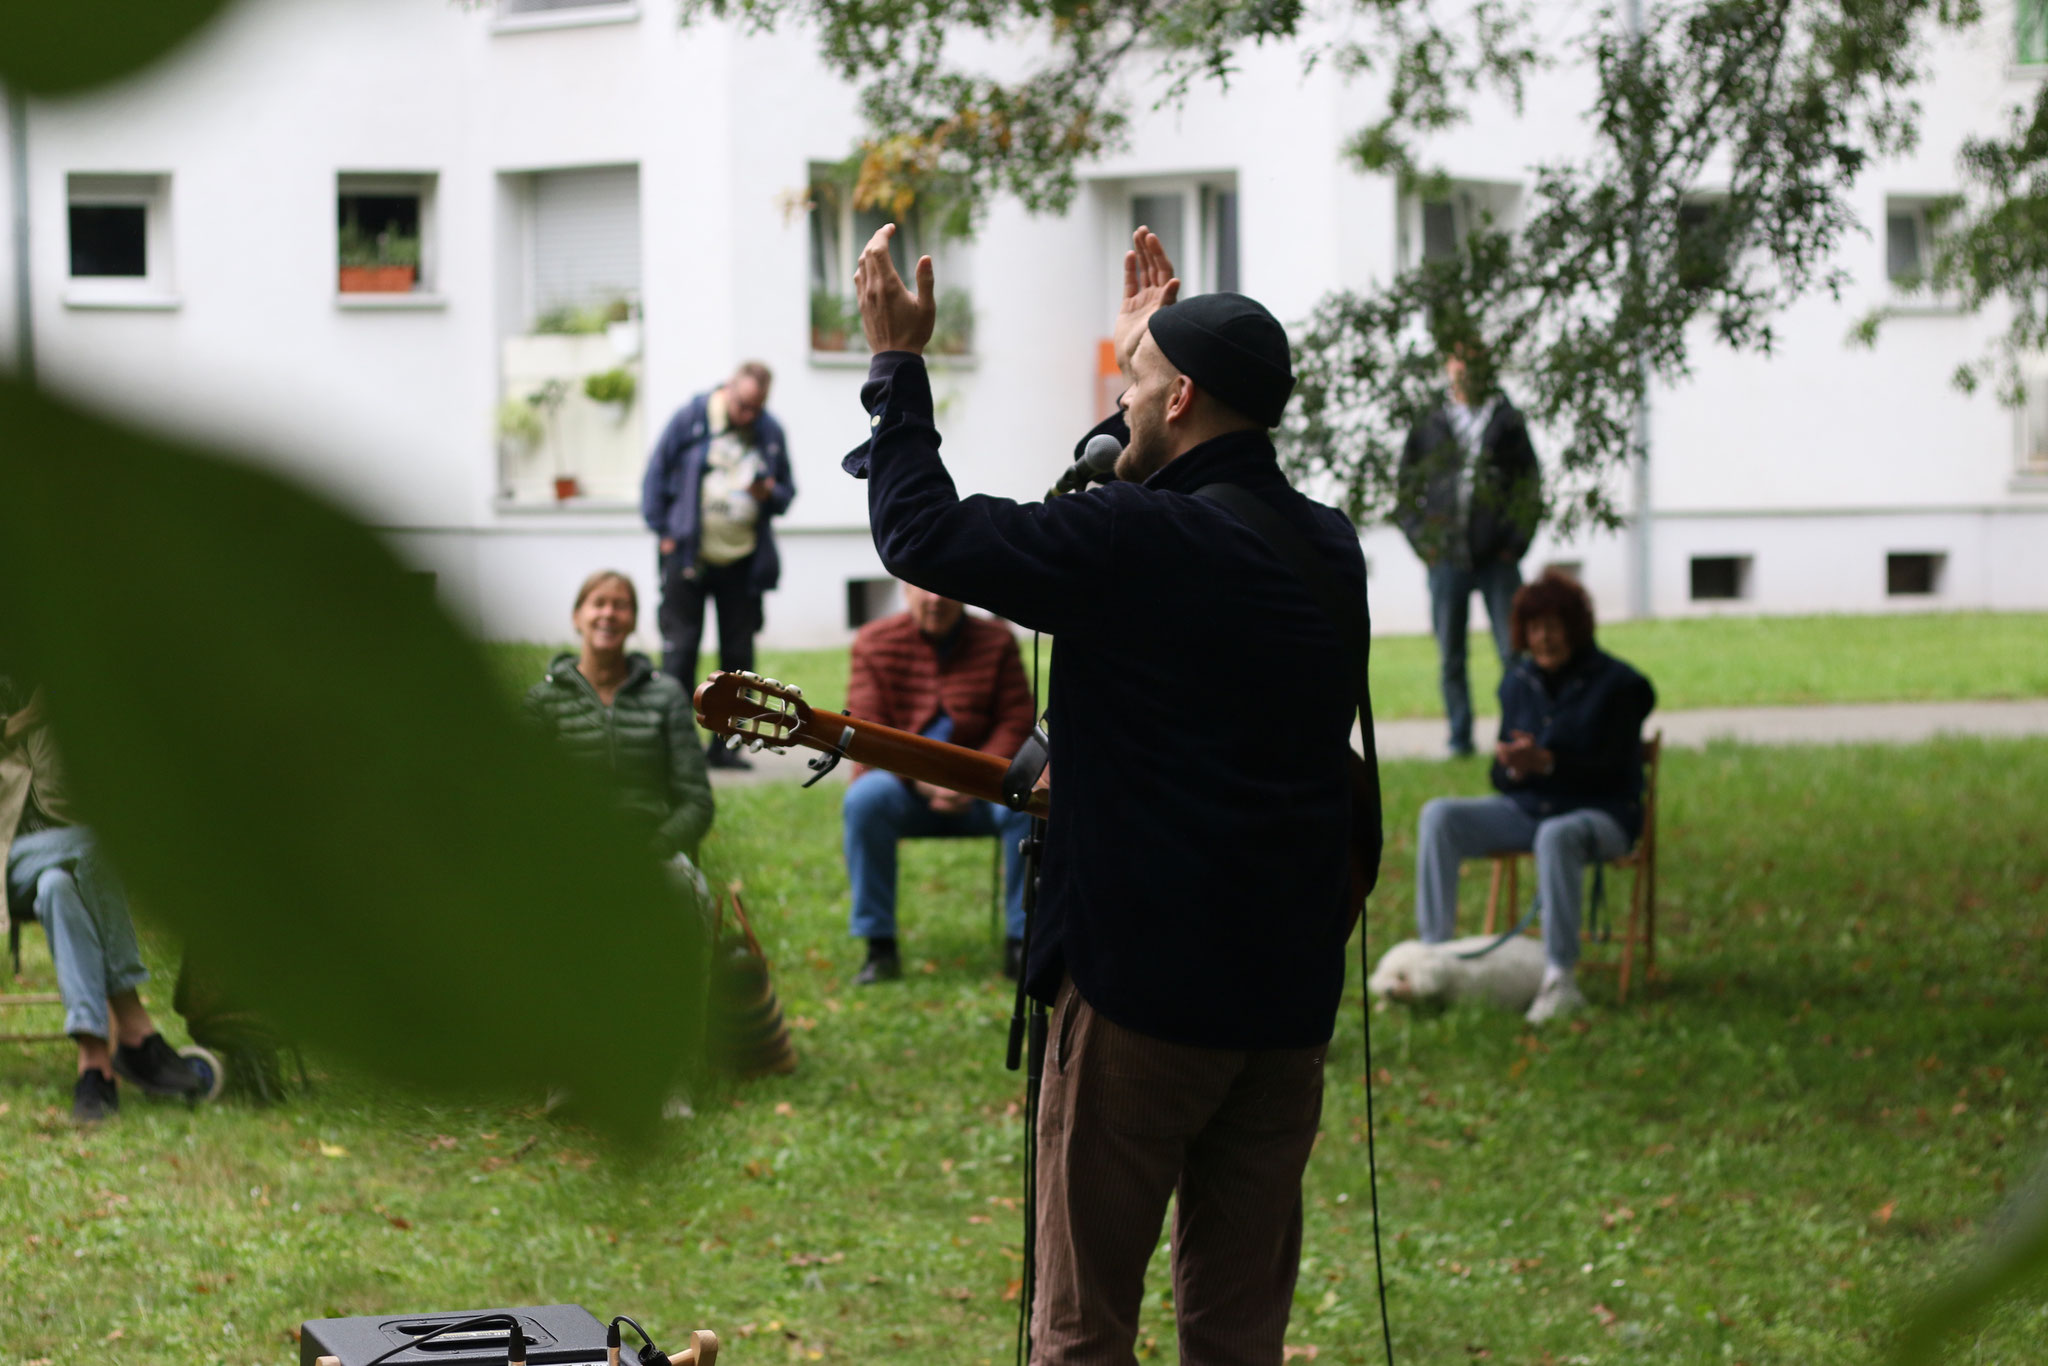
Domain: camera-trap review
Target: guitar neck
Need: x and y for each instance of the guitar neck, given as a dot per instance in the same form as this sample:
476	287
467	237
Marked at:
954	767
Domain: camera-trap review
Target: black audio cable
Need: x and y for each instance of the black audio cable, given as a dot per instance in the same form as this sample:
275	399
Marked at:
649	1355
515	1338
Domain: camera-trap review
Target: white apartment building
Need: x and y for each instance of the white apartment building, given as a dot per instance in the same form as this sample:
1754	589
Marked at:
383	246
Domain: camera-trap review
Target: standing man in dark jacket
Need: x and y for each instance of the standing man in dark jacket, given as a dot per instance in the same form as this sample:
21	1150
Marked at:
1193	909
1469	497
718	477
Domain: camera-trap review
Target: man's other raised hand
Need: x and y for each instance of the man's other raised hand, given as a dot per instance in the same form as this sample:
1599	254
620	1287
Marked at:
893	318
1149	285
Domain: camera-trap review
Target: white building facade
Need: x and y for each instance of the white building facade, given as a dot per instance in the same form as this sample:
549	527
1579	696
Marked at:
455	266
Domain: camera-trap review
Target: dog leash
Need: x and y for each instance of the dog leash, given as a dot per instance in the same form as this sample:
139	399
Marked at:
1593	908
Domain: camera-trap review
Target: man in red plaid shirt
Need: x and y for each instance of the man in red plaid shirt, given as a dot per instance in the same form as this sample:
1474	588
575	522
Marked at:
934	670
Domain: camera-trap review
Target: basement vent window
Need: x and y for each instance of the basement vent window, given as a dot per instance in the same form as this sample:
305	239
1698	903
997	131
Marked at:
870	600
1913	573
118	241
1720	578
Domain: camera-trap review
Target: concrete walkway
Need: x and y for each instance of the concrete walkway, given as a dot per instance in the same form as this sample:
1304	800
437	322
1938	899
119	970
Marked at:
1896	723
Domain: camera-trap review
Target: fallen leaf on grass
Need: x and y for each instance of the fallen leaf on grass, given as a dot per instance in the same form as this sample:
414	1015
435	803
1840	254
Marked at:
1013	1289
784	1108
333	1150
1608	1318
117	1335
442	1143
399	1221
961	1293
1883	1213
977	1218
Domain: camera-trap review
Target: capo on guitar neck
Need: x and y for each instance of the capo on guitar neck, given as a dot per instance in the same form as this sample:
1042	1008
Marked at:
829	760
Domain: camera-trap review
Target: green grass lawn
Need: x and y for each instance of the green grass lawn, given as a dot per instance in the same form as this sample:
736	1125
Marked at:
1763	1162
1701	662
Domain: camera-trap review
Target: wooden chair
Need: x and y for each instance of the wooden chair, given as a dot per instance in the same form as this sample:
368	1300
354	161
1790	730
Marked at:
1640	928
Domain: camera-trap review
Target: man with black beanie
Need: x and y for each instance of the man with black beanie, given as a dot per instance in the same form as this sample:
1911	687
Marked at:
1193	908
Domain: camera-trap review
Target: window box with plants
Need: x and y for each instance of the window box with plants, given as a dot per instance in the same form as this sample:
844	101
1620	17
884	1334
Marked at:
387	262
612	390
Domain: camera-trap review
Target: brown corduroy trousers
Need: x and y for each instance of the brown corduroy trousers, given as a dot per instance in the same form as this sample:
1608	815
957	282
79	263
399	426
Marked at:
1124	1122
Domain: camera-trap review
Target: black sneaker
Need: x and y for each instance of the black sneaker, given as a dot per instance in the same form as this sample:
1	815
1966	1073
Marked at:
1013	958
94	1097
156	1067
880	967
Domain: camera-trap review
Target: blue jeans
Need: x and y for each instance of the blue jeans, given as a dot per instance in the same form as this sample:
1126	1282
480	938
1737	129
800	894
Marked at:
882	809
60	877
1457	828
1450	606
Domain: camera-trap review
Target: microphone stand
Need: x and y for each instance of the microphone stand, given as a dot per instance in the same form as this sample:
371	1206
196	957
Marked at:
1027	1048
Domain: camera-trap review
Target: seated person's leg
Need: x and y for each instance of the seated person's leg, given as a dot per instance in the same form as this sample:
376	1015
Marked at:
880	810
1452	830
75	948
1012	827
1564	846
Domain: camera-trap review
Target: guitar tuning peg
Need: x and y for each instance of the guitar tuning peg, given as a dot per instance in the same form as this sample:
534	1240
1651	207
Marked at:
735	741
754	745
795	691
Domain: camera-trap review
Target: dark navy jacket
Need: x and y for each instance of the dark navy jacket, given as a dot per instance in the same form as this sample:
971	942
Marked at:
1195	870
1591	718
670	490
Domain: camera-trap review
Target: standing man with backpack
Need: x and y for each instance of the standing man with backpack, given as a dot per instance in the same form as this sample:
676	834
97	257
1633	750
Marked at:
1469	495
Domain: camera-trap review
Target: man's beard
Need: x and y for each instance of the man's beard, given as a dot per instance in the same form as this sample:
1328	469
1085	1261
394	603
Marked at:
1143	458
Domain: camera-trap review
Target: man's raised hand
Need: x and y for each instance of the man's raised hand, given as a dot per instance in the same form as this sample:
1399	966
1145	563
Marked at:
1149	285
893	318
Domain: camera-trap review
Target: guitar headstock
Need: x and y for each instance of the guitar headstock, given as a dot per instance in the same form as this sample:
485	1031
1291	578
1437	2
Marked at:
757	711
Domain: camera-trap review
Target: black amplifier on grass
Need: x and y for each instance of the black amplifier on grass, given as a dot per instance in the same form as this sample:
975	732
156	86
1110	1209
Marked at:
555	1333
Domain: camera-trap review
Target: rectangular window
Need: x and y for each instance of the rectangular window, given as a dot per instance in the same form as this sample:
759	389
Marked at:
1913	573
1441	232
1720	578
1571	569
2031	32
110	240
571	418
1197	219
1435	228
1701	250
382	227
2034	427
1905	244
839	230
118	230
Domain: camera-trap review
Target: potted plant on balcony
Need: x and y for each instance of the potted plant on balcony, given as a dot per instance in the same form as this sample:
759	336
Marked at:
832	319
613	389
387	262
545	402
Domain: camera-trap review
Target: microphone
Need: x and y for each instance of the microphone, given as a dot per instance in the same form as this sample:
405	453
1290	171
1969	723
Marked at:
1097	465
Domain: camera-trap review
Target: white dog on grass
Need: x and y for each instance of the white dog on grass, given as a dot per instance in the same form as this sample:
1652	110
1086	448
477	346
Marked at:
1419	974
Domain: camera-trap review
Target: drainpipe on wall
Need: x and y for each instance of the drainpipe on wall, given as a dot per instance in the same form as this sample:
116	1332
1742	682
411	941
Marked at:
1639	526
17	156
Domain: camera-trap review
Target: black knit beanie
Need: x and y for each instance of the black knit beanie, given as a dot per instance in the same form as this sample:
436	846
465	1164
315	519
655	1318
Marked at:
1233	348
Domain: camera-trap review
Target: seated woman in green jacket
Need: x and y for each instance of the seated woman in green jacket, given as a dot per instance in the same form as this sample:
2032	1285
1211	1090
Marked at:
618	712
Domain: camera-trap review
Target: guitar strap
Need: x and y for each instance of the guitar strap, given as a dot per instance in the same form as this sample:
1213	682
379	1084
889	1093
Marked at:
1348	616
1352	621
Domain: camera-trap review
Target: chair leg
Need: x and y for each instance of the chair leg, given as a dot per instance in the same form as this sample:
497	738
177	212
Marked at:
1493	894
1630	936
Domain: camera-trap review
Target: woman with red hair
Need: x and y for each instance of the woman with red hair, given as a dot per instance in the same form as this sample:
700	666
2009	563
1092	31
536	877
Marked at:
1569	770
